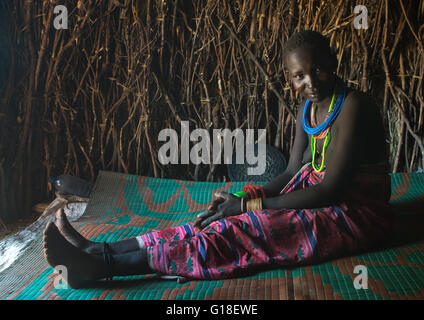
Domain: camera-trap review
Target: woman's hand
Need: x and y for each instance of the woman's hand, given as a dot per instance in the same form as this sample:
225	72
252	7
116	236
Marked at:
224	205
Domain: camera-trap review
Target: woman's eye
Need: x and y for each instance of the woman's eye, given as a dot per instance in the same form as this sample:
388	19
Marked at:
298	76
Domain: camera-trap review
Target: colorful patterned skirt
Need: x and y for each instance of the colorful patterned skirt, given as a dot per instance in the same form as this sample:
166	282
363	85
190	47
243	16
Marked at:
262	239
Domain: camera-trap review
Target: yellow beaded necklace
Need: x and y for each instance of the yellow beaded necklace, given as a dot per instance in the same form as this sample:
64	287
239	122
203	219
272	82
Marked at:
326	133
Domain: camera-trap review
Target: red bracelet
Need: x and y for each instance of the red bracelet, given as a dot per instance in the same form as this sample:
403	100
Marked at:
258	192
252	192
255	191
247	189
262	192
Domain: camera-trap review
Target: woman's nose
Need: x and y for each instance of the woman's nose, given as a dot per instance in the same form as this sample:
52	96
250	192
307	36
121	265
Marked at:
310	81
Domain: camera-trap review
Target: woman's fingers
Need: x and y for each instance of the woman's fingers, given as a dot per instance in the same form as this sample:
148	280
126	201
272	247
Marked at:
206	217
211	219
222	195
213	212
213	206
218	214
218	199
204	213
211	209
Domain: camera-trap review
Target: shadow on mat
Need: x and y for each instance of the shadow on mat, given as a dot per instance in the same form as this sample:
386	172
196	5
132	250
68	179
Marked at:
125	283
409	223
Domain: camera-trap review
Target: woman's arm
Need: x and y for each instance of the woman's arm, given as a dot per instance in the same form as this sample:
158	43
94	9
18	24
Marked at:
340	164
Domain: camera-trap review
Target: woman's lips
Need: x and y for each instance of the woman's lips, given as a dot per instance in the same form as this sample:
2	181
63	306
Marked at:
314	95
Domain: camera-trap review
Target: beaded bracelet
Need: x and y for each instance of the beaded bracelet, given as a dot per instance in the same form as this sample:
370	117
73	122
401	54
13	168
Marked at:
254	191
243	205
262	192
240	194
247	196
251	191
254	204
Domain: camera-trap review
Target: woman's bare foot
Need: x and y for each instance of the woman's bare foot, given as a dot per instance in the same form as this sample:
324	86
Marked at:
88	246
81	266
72	235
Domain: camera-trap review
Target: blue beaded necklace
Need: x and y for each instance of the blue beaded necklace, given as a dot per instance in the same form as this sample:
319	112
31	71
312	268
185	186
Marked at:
331	117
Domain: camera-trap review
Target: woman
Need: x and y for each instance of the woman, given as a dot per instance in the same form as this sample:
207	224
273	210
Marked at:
331	201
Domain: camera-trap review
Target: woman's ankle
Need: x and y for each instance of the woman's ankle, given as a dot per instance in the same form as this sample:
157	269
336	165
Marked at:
118	247
129	263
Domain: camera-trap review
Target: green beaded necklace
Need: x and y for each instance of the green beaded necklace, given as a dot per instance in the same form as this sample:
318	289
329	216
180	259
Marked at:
327	136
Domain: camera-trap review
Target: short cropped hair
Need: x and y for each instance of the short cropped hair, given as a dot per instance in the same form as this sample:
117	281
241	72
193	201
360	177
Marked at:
311	40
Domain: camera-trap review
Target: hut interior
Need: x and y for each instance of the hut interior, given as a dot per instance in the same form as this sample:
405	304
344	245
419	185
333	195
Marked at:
87	86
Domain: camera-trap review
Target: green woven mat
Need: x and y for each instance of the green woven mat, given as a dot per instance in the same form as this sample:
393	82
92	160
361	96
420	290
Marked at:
122	206
407	188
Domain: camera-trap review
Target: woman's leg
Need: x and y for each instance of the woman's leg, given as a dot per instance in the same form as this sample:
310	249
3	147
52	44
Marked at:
169	235
88	246
245	244
119	247
231	247
82	268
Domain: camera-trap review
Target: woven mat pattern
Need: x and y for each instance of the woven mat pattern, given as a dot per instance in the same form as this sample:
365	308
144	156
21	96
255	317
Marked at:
123	206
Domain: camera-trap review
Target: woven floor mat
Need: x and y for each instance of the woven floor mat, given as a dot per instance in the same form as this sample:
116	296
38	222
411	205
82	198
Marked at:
123	206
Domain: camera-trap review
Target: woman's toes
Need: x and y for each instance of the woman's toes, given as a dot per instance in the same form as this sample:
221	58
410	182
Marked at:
48	231
61	220
81	266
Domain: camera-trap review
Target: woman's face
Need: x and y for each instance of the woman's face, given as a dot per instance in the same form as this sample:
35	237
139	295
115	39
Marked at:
311	74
